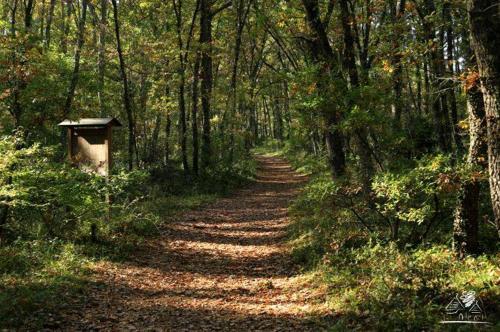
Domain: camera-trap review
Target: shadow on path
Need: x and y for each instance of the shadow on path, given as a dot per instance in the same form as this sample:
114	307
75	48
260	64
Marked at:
221	268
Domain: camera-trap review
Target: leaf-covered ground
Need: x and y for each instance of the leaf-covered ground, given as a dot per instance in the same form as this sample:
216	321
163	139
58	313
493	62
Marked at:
225	267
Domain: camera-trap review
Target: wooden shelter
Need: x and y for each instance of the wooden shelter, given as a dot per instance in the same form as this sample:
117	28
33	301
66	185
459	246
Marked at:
89	143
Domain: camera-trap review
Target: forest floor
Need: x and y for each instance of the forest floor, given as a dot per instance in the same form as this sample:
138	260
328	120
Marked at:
224	267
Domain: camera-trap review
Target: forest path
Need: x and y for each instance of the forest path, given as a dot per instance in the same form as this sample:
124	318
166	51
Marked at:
224	267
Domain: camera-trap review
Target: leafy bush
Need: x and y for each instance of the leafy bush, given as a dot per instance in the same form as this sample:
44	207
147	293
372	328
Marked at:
410	289
46	196
369	276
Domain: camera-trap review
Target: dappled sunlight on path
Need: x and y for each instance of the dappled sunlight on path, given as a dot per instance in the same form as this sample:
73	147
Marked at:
221	268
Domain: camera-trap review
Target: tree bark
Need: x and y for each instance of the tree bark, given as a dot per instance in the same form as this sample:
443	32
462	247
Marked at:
484	25
398	12
466	224
153	156
360	134
48	26
206	79
194	114
65	23
101	57
448	20
168	126
182	87
439	105
76	69
323	55
241	19
28	13
126	93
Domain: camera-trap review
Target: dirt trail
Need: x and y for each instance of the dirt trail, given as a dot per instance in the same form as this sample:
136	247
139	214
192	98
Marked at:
221	268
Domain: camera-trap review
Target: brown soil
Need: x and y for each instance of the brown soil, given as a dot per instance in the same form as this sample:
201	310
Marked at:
225	267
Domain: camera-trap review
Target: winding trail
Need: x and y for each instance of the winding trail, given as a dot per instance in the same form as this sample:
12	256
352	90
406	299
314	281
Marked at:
224	267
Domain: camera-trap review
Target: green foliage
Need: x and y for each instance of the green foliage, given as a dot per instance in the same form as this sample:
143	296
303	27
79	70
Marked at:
368	276
410	289
415	194
46	248
37	277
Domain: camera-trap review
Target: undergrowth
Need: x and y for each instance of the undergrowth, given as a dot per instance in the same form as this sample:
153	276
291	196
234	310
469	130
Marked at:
46	249
375	282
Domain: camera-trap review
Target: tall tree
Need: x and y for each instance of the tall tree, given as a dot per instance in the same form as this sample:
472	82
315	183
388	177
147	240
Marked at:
126	92
207	13
466	224
76	67
484	26
242	8
361	136
326	60
101	62
397	12
426	11
48	26
194	114
450	51
184	48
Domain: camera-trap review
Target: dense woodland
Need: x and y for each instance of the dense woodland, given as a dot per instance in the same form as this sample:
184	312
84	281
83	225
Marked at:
390	107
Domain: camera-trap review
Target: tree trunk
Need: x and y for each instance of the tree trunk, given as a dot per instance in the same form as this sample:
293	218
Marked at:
28	13
42	19
126	93
484	25
323	55
153	156
167	139
194	114
448	20
439	104
241	18
48	26
182	87
360	134
206	80
398	12
466	224
65	23
76	69
101	57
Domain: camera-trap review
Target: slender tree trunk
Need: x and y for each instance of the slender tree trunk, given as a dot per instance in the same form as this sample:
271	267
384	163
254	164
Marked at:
194	114
418	75
48	26
182	87
76	68
427	86
153	156
241	18
182	123
101	57
206	80
126	93
484	25
439	103
360	135
16	82
42	19
398	12
168	127
65	19
451	73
